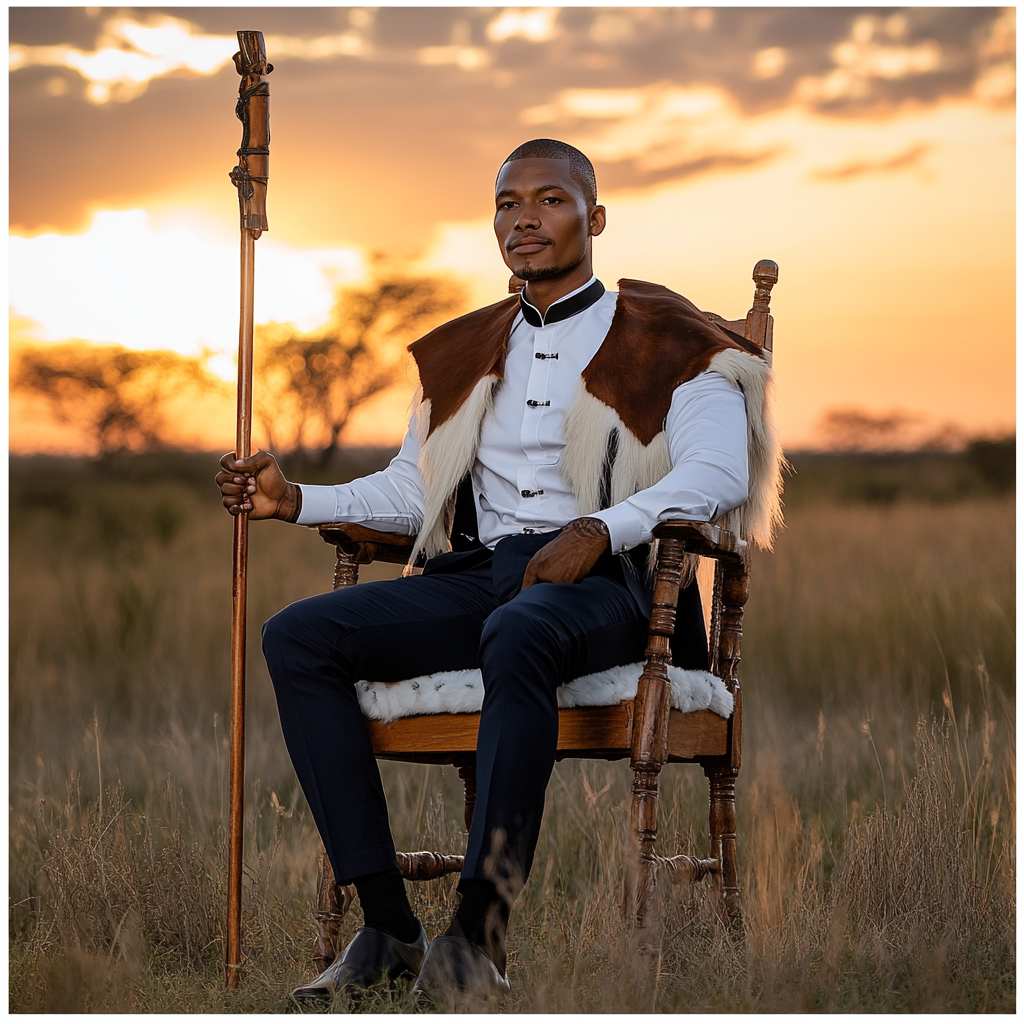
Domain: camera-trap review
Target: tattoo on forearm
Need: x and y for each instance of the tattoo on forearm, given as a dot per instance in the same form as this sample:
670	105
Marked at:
587	527
296	503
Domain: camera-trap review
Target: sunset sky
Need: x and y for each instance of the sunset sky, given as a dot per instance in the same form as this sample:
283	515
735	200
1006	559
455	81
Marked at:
870	153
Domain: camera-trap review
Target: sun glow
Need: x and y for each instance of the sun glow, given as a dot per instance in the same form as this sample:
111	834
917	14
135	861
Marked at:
128	282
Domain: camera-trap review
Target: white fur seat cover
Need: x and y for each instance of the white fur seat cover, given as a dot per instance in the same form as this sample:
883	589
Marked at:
462	692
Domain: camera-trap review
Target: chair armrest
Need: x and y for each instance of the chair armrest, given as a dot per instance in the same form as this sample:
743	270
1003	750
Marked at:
364	545
704	539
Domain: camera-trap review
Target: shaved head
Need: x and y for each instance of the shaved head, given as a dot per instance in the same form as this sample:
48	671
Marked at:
580	167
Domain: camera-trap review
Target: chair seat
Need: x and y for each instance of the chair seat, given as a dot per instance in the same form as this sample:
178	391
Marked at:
582	732
462	692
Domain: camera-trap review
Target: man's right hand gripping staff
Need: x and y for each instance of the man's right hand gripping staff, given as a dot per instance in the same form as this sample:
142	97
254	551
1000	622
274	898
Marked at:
256	485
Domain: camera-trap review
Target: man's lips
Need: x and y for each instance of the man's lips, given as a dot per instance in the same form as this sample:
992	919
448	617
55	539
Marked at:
528	245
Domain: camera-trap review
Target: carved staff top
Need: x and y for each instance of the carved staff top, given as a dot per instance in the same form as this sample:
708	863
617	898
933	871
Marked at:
253	110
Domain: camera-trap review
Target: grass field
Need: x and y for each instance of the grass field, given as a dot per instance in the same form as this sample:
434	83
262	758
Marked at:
876	800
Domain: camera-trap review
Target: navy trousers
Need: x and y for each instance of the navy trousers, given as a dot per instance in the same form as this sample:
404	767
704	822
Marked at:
465	611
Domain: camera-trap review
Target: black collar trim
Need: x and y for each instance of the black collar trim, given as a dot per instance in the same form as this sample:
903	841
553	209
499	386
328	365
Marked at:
561	309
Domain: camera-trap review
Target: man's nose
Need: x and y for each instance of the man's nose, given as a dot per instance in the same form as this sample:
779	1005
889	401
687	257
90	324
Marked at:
527	219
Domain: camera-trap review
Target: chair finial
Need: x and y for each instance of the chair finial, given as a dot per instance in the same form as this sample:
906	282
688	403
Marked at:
766	274
759	321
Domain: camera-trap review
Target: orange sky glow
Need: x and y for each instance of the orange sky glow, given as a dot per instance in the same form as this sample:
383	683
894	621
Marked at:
871	155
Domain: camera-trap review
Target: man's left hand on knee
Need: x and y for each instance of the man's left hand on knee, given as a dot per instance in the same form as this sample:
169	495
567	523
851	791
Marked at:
570	556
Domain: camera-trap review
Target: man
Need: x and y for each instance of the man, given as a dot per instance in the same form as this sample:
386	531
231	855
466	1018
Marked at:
554	432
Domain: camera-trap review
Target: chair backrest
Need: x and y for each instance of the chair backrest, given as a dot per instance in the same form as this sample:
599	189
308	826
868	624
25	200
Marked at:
757	326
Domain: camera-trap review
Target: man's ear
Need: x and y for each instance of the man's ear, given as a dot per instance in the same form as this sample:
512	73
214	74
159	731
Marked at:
598	219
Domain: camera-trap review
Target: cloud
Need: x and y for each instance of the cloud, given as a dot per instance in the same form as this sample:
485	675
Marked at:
625	174
653	94
904	160
875	52
129	54
657	133
535	24
834	60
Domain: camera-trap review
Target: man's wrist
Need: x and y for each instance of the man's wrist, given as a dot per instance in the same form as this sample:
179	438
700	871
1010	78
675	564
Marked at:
592	529
625	528
291	504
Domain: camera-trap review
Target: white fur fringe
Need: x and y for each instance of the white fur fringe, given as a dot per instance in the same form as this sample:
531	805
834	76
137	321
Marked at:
462	692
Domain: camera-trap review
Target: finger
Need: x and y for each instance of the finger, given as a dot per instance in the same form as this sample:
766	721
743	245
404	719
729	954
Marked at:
259	461
253	464
234	506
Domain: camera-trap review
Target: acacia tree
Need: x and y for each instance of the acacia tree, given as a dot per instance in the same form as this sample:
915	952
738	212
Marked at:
310	384
115	395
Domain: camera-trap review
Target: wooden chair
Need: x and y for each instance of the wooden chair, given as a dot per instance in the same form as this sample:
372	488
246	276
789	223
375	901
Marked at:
646	729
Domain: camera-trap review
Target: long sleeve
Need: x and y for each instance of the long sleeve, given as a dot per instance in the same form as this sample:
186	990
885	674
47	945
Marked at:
390	501
707	438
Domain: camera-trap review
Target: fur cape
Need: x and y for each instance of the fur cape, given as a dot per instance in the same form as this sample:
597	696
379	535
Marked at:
615	440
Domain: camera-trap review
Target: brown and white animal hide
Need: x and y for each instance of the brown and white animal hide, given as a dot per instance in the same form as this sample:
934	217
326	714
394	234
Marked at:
446	456
615	441
760	516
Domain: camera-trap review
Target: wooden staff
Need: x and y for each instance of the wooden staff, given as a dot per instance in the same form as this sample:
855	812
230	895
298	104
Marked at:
250	178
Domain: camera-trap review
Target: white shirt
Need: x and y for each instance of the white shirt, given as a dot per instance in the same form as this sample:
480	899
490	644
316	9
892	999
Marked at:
517	486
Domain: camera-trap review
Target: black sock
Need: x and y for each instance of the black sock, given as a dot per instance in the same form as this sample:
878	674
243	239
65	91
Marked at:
386	905
482	918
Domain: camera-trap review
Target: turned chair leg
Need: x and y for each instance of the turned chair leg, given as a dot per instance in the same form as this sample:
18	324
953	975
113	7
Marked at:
722	834
641	863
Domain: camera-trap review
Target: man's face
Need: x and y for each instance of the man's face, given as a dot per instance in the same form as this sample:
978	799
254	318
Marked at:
541	218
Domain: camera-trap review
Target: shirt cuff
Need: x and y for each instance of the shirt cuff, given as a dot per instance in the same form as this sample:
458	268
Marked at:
625	529
319	504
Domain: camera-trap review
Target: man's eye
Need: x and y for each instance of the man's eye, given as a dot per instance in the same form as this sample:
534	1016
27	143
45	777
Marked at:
507	205
551	199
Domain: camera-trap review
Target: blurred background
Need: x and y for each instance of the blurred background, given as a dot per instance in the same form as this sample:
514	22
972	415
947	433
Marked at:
869	152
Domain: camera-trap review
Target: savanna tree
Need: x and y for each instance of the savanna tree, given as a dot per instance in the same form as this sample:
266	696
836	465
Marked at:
116	396
308	385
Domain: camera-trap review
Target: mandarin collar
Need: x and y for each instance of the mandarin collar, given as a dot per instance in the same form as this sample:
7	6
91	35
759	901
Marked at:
561	309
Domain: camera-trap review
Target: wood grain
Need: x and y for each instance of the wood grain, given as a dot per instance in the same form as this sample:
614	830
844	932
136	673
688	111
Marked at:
602	733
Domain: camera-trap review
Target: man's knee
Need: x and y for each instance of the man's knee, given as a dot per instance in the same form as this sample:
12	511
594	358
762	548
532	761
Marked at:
304	625
517	629
279	632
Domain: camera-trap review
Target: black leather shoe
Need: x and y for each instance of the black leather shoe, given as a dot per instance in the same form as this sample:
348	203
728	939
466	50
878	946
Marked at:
370	954
457	973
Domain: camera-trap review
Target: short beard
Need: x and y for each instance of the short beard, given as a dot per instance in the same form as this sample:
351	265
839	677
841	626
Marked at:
528	273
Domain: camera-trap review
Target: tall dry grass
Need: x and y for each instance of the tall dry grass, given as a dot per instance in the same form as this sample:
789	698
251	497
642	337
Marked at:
876	798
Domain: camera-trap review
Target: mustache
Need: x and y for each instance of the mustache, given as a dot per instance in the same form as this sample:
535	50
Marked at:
529	240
